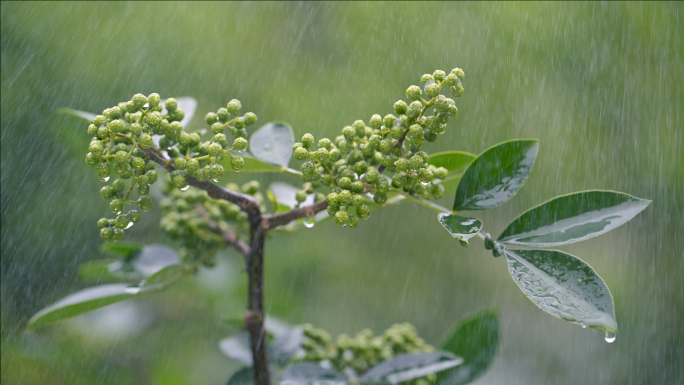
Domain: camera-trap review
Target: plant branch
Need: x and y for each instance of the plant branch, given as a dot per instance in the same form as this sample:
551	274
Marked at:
229	236
275	220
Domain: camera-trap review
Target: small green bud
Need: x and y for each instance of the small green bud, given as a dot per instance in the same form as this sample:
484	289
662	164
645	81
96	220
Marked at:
333	199
103	132
116	205
118	185
489	243
171	104
240	144
116	126
134	216
325	143
400	179
363	211
452	79
345	183
145	203
99	120
175	130
415	131
352	222
425	175
345	198
234	106
357	200
413	93
138	163
334	155
216	172
359	128
383	185
440	172
301	153
437	190
107	233
152	176
237	163
357	187
380	198
427	78
458	72
180	163
457	90
153	100
107	192
372	175
241	133
145	141
349	133
102	222
307	141
239	123
416	162
121	157
250	118
103	171
178	179
400	107
300	196
223	115
143	180
432	90
215	149
211	118
139	101
430	136
136	129
389	119
221	139
439	75
341	218
386	146
414	110
92	130
92	159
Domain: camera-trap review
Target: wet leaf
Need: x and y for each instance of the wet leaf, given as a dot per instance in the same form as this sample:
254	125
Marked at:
81	302
406	367
451	160
238	348
460	227
496	175
87	116
164	276
121	249
273	143
285	194
244	376
572	218
563	286
308	373
286	345
97	270
475	338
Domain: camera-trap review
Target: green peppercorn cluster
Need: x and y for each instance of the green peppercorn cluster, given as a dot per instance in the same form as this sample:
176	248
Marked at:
122	132
351	165
362	351
182	221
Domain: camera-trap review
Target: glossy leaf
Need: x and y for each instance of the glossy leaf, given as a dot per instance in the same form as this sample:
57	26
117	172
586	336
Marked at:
475	338
406	367
451	160
285	345
563	286
237	348
81	302
460	227
163	277
273	143
308	373
496	175
87	116
97	270
121	249
572	218
244	376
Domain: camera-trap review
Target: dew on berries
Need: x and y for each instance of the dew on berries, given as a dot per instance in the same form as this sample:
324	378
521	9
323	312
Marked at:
105	179
185	188
128	226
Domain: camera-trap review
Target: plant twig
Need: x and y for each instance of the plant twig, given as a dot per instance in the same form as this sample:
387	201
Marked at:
275	220
229	236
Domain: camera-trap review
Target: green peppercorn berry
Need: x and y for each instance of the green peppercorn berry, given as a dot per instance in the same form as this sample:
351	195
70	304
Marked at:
427	78
345	183
353	222
357	200
171	104
333	199
143	180
145	203
223	115
334	154
234	106
372	175
103	132
145	141
103	171
202	174
250	118
178	179
240	144
400	107
220	139
191	165
92	159
380	198
416	162
425	175
121	221
121	157
440	172
436	190
116	126
301	153
300	196
432	90
341	218
99	120
136	129
139	101
363	211
386	146
325	143
383	185
489	242
322	155
194	140
138	163
498	250
439	75
458	72
107	192
134	216
414	110
345	198
332	210
143	189
106	233
239	123
413	93
102	223
430	136
359	128
92	130
116	205
400	179
307	141
357	187
215	149
237	163
175	130
415	131
118	185
211	118
153	100
452	79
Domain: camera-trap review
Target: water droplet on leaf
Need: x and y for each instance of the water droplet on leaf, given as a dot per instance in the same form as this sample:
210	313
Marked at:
130	224
105	179
610	337
185	188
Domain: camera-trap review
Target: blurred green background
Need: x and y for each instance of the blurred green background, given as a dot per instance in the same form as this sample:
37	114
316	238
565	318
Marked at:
600	84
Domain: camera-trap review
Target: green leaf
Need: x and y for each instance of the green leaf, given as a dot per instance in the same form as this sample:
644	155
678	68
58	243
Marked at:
563	286
273	143
406	367
285	345
238	348
475	338
121	249
572	218
451	160
87	116
244	376
496	175
98	271
308	373
163	277
460	227
81	302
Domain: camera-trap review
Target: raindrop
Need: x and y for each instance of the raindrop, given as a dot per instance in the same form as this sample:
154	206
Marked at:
215	180
105	179
425	183
203	131
584	326
610	337
130	224
309	222
132	290
185	188
238	170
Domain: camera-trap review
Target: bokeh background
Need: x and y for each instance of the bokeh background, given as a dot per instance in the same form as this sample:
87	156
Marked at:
600	84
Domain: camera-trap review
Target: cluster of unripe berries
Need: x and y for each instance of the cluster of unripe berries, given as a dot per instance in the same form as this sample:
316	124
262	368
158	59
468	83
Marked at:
183	222
351	165
361	352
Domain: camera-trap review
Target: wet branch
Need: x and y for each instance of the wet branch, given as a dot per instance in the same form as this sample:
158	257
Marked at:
229	236
283	219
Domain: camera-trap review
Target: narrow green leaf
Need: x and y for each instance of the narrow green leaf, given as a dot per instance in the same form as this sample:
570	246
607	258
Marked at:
406	367
87	116
496	175
475	338
563	286
451	160
121	249
308	373
163	277
460	227
81	302
572	218
238	348
244	376
97	271
273	143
